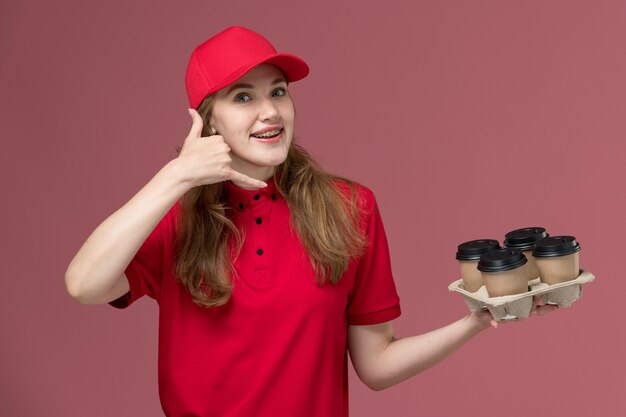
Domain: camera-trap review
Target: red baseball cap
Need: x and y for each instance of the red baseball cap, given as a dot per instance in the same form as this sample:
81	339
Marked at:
228	56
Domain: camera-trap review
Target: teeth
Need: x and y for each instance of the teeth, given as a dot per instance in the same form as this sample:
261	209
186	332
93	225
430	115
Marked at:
268	134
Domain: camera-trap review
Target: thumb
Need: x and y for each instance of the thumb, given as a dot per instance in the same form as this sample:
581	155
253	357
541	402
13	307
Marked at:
196	124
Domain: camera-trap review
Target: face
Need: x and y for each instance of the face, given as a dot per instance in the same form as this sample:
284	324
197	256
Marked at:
255	116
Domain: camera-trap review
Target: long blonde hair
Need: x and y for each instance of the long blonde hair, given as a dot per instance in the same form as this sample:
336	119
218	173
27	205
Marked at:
326	219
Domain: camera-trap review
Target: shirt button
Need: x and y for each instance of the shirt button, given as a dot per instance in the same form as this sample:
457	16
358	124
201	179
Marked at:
257	196
241	206
274	197
259	220
259	252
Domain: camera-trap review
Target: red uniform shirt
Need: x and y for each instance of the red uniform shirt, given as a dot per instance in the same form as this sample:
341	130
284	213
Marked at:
278	347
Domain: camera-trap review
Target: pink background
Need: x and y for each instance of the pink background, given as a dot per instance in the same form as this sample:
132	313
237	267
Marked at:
467	119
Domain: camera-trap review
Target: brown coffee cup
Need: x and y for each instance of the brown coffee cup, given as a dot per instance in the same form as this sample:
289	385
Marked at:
468	254
503	272
557	259
524	240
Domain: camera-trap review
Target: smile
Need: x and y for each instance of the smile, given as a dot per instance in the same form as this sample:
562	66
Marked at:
268	134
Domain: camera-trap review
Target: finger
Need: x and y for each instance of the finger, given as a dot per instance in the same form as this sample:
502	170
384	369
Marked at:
196	124
493	324
546	309
540	300
234	175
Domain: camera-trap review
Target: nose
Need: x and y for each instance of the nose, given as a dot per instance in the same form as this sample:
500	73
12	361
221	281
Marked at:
268	110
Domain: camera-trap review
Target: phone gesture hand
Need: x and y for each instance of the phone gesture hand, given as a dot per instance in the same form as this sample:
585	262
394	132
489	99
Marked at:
206	159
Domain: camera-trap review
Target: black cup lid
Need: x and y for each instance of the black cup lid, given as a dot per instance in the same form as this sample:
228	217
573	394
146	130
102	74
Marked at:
471	251
500	260
556	246
524	239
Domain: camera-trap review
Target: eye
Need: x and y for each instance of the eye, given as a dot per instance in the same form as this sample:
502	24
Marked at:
242	98
279	92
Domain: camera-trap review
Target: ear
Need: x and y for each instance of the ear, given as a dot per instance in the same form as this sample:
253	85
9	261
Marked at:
211	129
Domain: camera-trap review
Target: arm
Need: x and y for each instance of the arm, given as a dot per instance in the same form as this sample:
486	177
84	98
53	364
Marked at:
96	274
382	361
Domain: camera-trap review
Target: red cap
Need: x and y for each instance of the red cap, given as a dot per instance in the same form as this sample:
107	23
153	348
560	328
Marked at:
228	56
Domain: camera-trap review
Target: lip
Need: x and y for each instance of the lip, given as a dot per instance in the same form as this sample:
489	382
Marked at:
267	129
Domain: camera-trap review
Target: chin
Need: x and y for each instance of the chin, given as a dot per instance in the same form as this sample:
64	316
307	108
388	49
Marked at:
273	160
256	160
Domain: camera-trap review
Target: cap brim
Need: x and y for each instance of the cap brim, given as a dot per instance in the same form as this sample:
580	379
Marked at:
293	67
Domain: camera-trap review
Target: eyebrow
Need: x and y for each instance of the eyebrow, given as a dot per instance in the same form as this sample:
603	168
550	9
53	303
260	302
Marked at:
250	86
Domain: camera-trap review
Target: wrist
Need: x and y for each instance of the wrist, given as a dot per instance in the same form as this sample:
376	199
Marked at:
479	321
178	175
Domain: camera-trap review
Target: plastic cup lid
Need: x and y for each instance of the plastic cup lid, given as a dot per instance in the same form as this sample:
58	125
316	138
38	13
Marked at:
501	260
556	246
472	250
524	239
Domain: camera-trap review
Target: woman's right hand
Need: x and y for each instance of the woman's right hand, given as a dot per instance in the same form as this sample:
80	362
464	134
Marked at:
206	160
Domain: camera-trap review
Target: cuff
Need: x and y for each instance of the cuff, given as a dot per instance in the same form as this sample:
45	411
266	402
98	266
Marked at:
375	317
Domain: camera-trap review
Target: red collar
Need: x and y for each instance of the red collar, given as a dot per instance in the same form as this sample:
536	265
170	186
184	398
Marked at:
240	198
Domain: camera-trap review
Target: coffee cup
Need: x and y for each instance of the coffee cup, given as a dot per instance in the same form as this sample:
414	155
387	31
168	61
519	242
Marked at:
558	259
503	272
468	255
524	240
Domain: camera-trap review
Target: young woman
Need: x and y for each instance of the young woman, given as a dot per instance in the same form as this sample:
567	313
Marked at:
266	269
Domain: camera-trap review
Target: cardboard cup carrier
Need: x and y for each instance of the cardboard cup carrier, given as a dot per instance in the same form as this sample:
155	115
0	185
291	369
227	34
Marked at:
560	279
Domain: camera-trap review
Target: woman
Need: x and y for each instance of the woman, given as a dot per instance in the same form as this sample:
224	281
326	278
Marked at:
266	269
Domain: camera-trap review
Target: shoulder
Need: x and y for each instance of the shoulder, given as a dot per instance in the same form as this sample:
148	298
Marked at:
354	191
